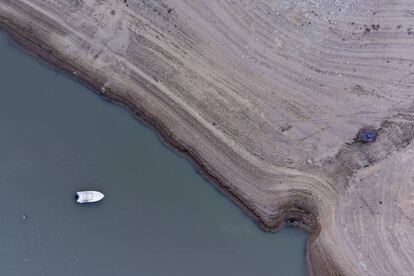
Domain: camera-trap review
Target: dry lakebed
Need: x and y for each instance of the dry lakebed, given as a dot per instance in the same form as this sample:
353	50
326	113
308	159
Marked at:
267	98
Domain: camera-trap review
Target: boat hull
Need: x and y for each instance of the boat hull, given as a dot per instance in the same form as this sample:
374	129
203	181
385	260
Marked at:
88	196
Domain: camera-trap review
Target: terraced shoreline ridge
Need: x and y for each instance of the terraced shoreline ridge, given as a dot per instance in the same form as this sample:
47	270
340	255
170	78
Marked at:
267	98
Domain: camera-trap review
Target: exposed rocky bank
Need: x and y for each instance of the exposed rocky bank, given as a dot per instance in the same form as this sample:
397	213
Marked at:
267	98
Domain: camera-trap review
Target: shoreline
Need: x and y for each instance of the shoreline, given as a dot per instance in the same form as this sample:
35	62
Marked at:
273	127
43	55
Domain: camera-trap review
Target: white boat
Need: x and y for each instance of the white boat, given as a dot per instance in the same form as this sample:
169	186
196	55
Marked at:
88	196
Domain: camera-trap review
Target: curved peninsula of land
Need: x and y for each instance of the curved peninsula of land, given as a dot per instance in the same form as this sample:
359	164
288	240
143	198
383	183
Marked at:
267	98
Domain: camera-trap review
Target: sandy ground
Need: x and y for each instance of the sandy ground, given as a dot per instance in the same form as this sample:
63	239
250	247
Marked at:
266	97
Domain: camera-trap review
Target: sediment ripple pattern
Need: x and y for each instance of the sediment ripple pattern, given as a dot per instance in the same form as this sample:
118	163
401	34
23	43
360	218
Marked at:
377	217
266	97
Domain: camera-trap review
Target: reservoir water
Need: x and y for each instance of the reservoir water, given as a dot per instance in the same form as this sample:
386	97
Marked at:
159	217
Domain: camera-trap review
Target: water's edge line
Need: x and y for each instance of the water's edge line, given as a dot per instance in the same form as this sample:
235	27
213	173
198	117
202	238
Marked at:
48	57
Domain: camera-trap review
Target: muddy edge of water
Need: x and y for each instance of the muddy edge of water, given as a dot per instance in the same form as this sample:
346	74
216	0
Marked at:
33	46
50	57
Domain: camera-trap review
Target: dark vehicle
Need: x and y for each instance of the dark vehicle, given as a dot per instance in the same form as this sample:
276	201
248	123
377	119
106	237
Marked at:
367	135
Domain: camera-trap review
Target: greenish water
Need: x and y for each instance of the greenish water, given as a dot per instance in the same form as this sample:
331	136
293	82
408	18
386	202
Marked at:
159	217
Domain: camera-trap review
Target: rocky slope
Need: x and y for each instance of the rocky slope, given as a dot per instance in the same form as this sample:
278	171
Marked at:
267	98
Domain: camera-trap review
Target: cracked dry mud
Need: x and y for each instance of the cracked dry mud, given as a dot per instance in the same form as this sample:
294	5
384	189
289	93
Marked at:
266	97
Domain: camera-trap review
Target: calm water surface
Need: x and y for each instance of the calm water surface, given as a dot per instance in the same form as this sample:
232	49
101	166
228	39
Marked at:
159	217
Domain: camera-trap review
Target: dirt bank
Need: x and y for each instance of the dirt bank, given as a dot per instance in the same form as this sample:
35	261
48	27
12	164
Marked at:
266	98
